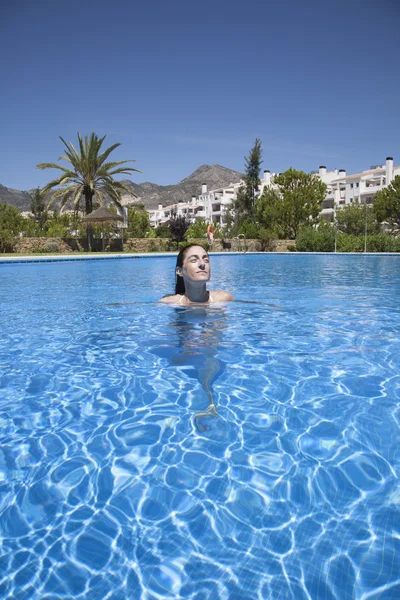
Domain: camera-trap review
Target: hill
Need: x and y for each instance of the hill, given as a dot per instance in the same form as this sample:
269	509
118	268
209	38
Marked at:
150	194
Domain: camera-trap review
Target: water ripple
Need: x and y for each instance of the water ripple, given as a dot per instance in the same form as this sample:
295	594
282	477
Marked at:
111	488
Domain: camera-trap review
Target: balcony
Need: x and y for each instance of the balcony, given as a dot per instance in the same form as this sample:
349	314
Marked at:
371	189
328	203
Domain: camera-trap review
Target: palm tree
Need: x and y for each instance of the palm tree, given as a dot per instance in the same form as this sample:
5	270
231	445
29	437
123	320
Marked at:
89	174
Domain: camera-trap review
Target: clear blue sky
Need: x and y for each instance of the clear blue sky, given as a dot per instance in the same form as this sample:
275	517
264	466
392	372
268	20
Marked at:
181	84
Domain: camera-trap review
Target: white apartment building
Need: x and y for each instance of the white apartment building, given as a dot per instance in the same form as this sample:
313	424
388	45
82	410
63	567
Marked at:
342	190
361	188
216	201
192	210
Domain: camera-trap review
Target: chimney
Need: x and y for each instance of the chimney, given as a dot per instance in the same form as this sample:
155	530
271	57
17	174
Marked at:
342	172
267	176
204	188
193	200
335	171
389	170
322	170
160	207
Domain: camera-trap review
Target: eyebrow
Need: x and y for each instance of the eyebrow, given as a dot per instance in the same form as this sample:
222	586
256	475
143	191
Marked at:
197	256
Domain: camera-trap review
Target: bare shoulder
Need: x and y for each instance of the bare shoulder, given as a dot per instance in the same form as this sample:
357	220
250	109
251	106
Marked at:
221	296
173	299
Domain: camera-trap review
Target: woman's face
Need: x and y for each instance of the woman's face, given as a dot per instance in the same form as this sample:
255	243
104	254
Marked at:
196	264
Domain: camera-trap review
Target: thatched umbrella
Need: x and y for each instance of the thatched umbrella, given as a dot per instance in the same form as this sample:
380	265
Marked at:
101	215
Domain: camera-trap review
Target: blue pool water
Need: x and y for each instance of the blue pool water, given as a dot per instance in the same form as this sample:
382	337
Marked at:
111	487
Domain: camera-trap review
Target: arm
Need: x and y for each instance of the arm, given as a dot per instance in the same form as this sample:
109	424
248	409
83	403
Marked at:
172	299
221	296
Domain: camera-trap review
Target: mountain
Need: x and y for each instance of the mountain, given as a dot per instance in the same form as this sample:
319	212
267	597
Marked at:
20	200
151	194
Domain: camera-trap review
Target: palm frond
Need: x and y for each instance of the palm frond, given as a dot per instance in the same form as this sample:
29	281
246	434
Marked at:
119	187
99	194
52	166
106	153
124	170
77	197
58	194
118	163
64	199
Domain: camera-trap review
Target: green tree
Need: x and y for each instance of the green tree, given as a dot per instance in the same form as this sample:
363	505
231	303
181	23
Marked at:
351	220
62	225
88	175
139	223
252	176
386	205
11	219
249	228
294	199
38	208
243	207
197	230
11	224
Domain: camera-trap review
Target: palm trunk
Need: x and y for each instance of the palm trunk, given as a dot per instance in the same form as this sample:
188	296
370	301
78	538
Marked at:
88	209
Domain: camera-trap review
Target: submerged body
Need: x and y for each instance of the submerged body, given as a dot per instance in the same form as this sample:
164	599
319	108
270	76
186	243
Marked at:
192	274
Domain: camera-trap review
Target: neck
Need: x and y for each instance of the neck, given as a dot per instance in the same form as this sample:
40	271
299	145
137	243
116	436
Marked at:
196	293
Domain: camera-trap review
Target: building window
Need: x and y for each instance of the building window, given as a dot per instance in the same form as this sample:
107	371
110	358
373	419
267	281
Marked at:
351	185
357	185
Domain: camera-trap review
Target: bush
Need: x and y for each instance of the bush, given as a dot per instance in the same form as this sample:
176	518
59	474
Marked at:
7	241
350	243
382	243
249	229
39	251
292	248
315	240
162	231
153	247
52	247
267	240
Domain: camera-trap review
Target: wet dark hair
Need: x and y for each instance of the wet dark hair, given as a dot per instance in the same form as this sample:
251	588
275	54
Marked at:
179	283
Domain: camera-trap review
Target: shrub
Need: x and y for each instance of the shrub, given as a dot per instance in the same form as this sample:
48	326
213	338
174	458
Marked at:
292	248
350	243
249	229
7	241
315	240
153	247
52	247
267	240
162	231
382	243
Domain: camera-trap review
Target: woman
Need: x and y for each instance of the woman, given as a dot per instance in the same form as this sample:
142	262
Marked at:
192	274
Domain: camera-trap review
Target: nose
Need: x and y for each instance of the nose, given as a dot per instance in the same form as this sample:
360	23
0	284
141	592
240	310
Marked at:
202	266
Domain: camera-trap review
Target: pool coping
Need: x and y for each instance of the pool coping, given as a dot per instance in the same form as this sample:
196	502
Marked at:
80	257
111	256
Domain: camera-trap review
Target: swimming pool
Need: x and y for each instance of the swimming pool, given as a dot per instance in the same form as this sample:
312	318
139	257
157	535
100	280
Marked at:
110	487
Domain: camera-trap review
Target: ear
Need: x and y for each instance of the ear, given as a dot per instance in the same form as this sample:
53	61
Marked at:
179	271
